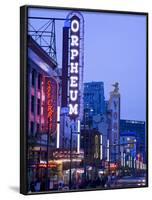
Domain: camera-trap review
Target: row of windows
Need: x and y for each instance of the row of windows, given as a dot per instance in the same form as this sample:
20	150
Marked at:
34	78
96	85
33	105
132	125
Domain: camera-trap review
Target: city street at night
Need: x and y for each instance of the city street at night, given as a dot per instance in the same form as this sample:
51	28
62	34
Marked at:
85	127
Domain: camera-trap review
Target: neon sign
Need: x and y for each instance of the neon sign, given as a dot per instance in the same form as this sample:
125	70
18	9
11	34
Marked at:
51	104
51	164
50	108
74	67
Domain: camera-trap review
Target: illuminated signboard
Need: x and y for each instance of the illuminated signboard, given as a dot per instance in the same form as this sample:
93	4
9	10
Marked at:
50	164
65	154
50	113
74	67
116	118
115	127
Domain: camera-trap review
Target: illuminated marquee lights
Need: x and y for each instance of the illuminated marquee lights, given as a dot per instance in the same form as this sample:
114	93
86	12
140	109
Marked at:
74	67
48	165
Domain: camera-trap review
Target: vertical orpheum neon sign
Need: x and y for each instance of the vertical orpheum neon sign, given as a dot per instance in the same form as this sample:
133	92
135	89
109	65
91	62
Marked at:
74	67
50	104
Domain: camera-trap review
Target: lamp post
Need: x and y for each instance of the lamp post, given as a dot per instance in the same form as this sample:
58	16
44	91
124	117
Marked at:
85	122
70	178
47	162
71	146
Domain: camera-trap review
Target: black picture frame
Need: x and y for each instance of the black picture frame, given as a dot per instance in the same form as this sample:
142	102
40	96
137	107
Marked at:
24	92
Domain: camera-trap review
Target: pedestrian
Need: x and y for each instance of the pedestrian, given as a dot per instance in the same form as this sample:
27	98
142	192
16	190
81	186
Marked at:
106	180
102	181
113	179
37	185
60	185
109	180
32	186
43	185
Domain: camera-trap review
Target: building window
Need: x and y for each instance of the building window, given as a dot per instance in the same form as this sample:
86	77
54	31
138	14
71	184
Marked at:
32	127
39	81
38	106
32	104
33	77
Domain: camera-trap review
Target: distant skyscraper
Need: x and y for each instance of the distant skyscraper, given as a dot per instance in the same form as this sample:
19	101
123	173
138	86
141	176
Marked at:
94	100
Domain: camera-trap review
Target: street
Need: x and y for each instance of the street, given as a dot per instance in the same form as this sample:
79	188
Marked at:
130	181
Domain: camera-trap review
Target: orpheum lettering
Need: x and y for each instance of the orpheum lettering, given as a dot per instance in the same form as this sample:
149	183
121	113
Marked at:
74	67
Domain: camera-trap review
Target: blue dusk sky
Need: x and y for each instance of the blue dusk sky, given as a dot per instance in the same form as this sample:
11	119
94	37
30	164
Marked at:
114	51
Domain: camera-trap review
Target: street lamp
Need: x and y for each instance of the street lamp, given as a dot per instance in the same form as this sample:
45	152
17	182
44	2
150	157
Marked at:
71	138
48	141
70	178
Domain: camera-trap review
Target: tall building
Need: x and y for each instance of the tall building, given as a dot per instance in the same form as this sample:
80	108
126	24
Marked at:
41	68
136	129
114	124
43	101
128	151
91	143
100	123
94	100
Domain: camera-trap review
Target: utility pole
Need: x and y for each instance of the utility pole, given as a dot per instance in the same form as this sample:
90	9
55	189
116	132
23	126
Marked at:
84	121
